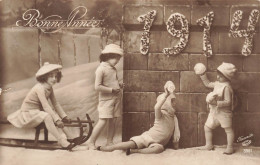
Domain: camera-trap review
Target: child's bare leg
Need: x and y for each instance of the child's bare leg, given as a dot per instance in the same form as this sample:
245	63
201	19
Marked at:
111	130
151	150
119	146
96	132
208	137
55	132
230	139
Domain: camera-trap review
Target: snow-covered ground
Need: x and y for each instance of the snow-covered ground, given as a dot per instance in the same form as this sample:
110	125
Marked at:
190	156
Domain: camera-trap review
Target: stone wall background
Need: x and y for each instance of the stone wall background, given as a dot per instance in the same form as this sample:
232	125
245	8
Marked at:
145	76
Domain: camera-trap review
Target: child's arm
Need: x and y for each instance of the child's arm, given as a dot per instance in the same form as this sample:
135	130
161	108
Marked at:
158	105
45	104
206	81
176	132
57	106
227	98
99	83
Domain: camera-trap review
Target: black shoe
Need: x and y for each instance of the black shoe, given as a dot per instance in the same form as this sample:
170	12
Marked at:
99	148
78	140
128	152
69	147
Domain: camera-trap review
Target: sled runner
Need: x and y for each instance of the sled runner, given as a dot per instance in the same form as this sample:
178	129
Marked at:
46	144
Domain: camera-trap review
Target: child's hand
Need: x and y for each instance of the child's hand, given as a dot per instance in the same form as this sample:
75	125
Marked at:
59	124
166	91
115	91
66	120
122	85
213	102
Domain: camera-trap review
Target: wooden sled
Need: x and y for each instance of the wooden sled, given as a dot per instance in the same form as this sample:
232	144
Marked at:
46	144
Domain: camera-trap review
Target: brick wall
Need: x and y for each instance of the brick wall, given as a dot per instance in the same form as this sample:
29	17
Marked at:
145	75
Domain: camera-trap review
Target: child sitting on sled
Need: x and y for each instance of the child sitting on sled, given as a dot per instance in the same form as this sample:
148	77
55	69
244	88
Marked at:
40	105
156	138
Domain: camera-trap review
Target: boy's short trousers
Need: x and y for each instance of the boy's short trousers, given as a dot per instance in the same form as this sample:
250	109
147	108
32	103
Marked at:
219	118
145	141
110	108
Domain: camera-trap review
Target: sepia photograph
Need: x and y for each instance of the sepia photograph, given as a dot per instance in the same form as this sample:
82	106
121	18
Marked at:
129	82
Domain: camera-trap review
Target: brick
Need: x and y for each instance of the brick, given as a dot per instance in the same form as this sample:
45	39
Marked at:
229	44
217	60
247	124
197	58
234	45
19	47
190	82
158	41
162	62
132	12
149	81
194	44
137	102
135	61
188	128
49	48
224	2
256	47
254	102
246	12
134	124
246	82
221	14
251	64
191	102
171	2
241	103
169	10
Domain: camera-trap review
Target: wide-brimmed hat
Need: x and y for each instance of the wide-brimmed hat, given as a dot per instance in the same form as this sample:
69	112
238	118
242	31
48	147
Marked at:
112	48
227	69
47	68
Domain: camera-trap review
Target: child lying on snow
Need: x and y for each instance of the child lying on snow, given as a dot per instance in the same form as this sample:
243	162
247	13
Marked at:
156	138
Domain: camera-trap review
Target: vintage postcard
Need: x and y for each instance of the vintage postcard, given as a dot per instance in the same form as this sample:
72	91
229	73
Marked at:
103	82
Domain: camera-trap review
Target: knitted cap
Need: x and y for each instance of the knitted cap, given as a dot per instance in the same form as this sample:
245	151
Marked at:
112	48
47	68
227	69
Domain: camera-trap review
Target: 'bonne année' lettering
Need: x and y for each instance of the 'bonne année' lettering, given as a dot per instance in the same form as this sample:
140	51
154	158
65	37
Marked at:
32	18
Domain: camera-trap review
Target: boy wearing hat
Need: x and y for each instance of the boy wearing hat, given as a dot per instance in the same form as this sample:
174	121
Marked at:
220	103
156	138
109	88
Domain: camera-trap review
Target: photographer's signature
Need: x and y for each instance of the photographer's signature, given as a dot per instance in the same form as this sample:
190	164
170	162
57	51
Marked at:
245	141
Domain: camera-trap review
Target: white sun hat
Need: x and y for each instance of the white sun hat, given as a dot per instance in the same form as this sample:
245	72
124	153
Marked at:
47	68
112	48
227	69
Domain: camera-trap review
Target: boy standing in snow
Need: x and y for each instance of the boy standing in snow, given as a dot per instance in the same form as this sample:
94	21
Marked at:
221	105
